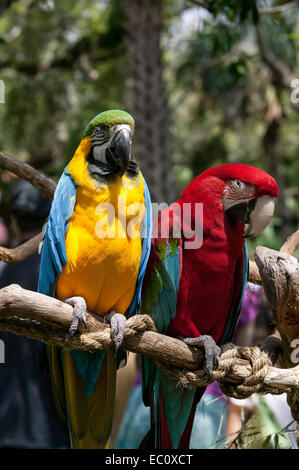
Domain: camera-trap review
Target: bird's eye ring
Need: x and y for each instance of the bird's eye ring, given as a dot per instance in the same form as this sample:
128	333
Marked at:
238	184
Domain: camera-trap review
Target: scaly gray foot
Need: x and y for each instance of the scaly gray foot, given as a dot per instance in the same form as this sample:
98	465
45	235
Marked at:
118	326
212	351
79	313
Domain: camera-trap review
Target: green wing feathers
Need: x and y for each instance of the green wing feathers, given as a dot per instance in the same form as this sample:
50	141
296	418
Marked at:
171	406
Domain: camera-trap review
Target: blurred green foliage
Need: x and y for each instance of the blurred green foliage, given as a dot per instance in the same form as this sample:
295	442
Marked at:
62	62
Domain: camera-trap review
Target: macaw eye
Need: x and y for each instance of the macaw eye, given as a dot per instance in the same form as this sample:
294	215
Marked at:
238	184
100	131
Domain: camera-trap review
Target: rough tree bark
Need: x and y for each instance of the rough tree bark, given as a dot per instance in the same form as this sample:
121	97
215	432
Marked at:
42	182
41	317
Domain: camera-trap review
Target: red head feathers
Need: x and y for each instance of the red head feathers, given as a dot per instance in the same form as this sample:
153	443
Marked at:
263	182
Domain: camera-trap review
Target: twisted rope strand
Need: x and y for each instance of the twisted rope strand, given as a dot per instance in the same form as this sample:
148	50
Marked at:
258	360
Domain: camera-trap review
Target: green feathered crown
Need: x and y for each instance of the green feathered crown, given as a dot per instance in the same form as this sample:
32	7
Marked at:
109	118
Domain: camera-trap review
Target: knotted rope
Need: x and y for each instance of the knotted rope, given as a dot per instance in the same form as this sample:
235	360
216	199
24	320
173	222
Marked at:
101	339
93	340
258	360
260	364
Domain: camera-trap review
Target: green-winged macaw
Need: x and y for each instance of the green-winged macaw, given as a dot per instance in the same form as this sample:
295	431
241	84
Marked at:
195	281
91	261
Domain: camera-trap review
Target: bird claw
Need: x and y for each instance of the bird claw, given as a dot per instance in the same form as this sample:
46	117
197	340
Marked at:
118	326
79	313
272	346
212	351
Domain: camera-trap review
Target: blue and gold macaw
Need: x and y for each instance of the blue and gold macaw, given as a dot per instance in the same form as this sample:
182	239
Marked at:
91	261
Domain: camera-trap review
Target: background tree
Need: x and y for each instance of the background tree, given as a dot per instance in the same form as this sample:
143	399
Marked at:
149	104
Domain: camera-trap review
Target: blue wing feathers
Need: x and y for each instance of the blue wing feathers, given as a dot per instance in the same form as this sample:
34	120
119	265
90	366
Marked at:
53	251
145	234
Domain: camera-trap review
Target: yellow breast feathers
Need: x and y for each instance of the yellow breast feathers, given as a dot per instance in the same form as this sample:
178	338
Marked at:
103	244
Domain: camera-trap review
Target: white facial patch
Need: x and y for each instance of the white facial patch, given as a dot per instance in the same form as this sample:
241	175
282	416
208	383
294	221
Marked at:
228	203
99	151
237	192
119	127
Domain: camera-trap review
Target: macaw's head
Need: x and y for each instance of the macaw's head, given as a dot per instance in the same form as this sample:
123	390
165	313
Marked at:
245	192
110	136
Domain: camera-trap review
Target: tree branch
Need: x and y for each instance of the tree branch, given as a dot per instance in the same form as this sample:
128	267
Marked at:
18	303
47	319
42	182
291	244
14	255
254	275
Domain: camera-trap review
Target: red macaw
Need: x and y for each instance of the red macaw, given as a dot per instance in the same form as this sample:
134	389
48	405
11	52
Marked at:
196	294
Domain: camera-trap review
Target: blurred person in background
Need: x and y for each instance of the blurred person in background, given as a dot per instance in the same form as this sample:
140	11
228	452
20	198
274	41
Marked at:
28	417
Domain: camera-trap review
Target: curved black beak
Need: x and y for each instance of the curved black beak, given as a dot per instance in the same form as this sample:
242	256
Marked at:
120	150
241	213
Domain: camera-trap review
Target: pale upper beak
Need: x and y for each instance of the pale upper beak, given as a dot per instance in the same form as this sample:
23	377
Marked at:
260	216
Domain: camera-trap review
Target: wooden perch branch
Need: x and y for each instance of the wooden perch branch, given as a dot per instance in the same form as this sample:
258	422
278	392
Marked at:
254	275
291	244
21	303
41	317
42	182
14	255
